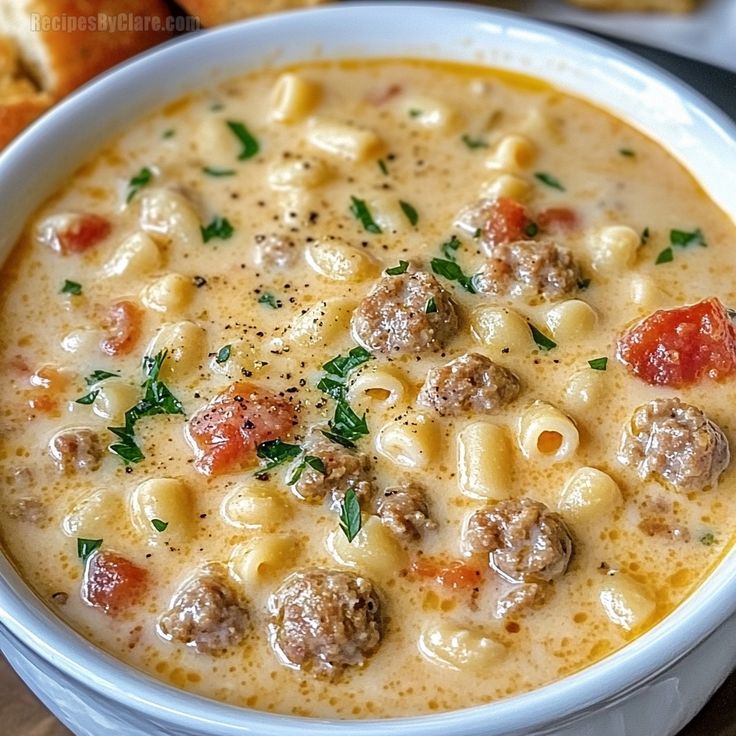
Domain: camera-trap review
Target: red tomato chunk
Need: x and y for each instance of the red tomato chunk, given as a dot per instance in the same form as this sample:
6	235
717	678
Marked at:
454	575
124	327
558	220
507	222
680	347
112	582
73	233
226	432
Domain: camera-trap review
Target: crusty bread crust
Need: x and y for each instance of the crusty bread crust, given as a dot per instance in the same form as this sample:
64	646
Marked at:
214	12
61	60
16	115
672	6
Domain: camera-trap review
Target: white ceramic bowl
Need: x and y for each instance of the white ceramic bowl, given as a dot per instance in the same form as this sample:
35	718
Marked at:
650	688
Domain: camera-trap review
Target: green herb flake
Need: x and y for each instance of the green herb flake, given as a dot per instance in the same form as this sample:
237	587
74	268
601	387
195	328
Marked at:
598	364
683	239
170	133
397	270
97	376
549	180
451	271
269	300
361	212
665	256
431	306
307	460
214	171
141	179
382	166
87	398
220	227
332	387
276	452
223	354
71	287
351	518
250	145
158	525
346	423
411	214
543	342
449	247
627	152
85	547
708	539
531	229
473	143
217	106
414	112
644	237
336	438
341	365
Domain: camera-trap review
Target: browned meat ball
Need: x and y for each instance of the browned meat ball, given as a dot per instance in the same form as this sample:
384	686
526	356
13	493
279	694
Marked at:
206	614
404	511
526	541
677	443
324	621
78	448
529	269
406	313
344	468
470	383
275	251
519	597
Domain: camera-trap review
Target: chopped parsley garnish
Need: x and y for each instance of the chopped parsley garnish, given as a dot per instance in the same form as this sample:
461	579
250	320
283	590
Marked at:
531	229
543	342
644	237
158	525
341	365
449	247
71	287
627	152
411	214
220	227
397	270
97	376
223	354
382	166
250	145
451	271
351	519
217	106
346	423
665	256
170	133
276	452
414	112
598	364
331	386
683	239
87	398
549	180
473	143
140	180
431	306
361	212
157	399
85	547
214	171
307	460
707	539
269	300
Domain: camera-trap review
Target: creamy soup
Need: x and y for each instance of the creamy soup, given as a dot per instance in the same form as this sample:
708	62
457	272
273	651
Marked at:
369	389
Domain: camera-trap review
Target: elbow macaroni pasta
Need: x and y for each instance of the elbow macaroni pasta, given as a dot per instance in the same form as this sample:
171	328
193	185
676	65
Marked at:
343	140
136	256
169	294
500	328
484	461
170	216
93	514
460	648
186	346
571	320
167	500
293	98
338	261
589	494
322	323
251	506
626	602
256	563
614	248
546	434
381	387
513	153
410	442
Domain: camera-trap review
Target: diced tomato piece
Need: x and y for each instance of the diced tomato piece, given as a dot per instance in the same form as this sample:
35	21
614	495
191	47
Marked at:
123	323
226	432
679	347
507	221
73	232
455	575
112	582
558	220
48	385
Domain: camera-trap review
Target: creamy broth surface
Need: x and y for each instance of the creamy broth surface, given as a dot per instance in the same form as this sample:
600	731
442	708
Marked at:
268	299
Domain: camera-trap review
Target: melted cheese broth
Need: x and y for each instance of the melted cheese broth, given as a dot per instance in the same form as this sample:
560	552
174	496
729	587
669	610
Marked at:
438	174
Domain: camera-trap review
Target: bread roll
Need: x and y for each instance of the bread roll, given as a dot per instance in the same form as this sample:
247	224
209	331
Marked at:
214	12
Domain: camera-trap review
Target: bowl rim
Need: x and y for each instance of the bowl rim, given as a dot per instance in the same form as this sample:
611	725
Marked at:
28	619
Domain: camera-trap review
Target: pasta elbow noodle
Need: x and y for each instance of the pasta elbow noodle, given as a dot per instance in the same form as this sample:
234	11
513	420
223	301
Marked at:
93	513
169	215
546	434
327	320
249	506
507	185
186	346
342	139
339	261
168	294
411	442
484	461
501	329
571	320
512	153
585	388
626	602
258	562
460	648
293	98
162	500
303	173
114	397
589	494
377	386
429	112
135	256
374	551
614	248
